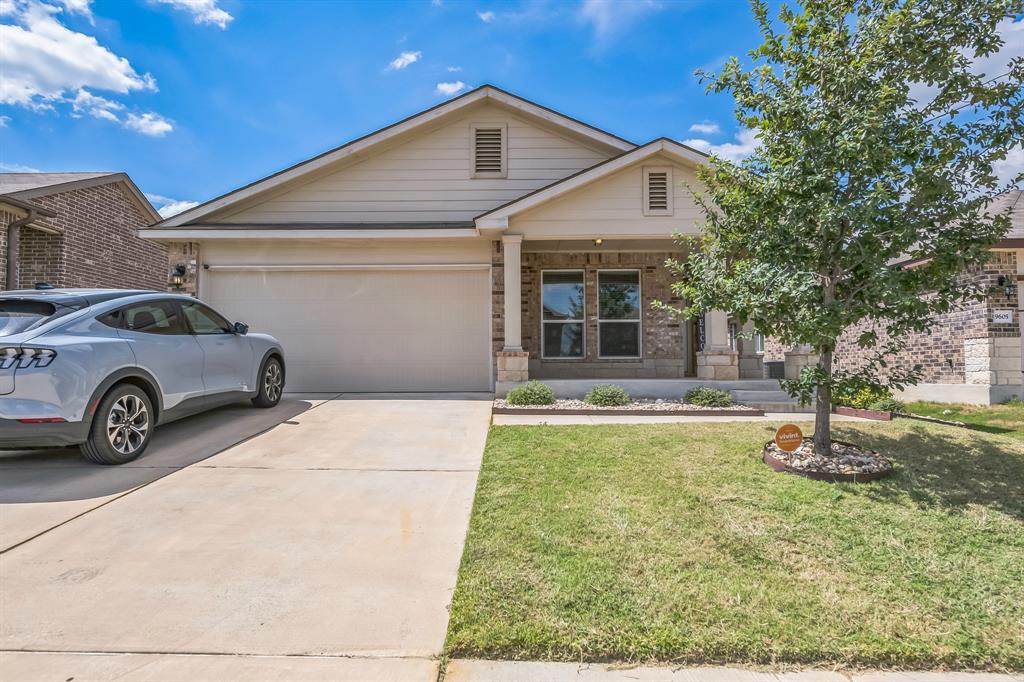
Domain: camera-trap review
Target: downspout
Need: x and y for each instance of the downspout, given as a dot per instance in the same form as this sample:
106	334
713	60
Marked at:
13	242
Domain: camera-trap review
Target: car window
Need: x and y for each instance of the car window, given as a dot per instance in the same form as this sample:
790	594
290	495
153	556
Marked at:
18	315
203	320
153	317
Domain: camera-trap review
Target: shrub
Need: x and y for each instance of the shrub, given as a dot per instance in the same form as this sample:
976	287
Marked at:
1014	402
531	393
607	395
706	396
863	398
889	405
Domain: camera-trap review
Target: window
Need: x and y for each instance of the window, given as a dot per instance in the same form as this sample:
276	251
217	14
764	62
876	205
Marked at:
618	313
155	317
489	150
759	343
202	320
19	315
562	319
734	335
658	191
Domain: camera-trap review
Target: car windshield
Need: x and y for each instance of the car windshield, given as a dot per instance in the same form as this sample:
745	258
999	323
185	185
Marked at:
18	315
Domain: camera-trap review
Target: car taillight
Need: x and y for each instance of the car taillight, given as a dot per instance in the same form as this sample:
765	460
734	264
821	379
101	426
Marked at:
26	357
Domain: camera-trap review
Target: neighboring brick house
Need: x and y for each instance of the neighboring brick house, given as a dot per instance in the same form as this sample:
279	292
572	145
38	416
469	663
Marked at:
79	230
973	354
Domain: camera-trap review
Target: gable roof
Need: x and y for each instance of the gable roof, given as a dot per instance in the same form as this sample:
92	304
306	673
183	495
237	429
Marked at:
498	217
32	185
361	144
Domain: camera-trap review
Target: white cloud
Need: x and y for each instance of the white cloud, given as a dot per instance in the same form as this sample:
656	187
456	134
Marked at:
167	207
42	60
403	60
450	88
5	121
486	17
611	17
17	168
454	69
98	107
1010	167
83	7
746	143
706	128
202	11
150	123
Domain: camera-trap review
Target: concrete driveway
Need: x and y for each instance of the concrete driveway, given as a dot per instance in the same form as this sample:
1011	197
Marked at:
322	541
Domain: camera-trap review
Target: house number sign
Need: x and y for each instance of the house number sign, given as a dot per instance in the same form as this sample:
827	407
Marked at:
1002	316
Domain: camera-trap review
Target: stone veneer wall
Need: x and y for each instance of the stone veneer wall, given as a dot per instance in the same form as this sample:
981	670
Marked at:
187	254
99	245
664	344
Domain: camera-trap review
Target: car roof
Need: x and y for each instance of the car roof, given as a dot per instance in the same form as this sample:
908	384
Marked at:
76	298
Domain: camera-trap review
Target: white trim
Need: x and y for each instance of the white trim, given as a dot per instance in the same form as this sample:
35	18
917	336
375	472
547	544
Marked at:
330	267
639	320
669	188
582	321
189	235
358	146
495	217
502	127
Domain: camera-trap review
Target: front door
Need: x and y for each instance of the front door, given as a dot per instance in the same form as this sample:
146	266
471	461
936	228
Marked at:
228	362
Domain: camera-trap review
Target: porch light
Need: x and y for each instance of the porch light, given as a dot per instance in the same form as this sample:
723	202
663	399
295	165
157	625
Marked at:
1007	284
178	276
598	241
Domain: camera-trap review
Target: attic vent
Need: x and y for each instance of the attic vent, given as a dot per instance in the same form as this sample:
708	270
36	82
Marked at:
657	191
489	151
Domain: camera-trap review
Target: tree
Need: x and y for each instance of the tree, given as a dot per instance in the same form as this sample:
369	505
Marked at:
877	144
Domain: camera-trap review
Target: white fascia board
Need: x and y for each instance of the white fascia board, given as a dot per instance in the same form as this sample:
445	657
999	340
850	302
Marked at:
494	218
187	235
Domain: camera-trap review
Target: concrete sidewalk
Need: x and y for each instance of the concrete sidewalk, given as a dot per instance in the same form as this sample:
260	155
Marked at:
532	671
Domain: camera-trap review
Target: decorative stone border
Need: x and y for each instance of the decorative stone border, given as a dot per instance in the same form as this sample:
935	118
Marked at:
630	412
826	476
877	415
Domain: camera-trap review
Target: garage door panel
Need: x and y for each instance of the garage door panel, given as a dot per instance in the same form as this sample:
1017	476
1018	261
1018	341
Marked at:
368	330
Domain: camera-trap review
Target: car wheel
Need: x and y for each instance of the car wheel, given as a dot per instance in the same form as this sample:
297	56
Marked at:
121	428
271	384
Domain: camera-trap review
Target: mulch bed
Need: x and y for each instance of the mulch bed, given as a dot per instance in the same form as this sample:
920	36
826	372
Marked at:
668	408
848	462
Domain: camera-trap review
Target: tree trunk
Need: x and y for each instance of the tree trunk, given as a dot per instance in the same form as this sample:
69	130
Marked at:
823	409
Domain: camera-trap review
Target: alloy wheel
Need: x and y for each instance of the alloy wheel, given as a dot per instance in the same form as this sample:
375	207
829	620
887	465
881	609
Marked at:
127	424
272	382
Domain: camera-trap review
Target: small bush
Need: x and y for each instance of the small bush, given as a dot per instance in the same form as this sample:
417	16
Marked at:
607	395
862	399
706	396
531	393
888	405
1014	402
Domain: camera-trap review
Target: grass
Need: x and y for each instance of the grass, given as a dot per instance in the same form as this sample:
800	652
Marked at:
674	543
1007	418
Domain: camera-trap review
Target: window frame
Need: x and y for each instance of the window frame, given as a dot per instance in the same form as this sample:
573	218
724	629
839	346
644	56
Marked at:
483	175
582	321
122	317
758	343
639	320
670	191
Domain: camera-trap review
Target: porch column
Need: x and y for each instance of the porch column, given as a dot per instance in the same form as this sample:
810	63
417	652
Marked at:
512	362
717	361
751	362
802	355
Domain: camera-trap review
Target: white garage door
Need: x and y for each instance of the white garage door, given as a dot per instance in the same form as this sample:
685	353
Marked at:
367	330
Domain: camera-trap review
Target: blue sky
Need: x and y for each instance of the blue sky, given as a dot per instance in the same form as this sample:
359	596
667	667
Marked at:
196	97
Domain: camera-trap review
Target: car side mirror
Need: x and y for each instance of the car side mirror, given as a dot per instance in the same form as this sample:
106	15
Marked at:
240	328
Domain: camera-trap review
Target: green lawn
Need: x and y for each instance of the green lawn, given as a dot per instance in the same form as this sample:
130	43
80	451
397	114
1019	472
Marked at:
675	543
1008	418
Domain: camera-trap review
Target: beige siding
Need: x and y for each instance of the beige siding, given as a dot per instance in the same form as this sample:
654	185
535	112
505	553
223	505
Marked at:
613	208
427	177
348	252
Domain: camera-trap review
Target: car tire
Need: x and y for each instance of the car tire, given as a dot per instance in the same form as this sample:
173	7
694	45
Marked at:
270	384
121	427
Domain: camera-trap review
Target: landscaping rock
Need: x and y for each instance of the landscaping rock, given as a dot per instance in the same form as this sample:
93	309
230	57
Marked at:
658	405
846	460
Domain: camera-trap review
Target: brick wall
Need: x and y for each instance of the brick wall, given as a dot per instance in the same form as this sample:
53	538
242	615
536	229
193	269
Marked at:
664	345
99	245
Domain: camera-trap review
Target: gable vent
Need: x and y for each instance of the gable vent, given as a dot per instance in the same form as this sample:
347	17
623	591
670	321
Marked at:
489	150
658	191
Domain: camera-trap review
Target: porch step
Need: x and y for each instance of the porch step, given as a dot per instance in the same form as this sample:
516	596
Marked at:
769	400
